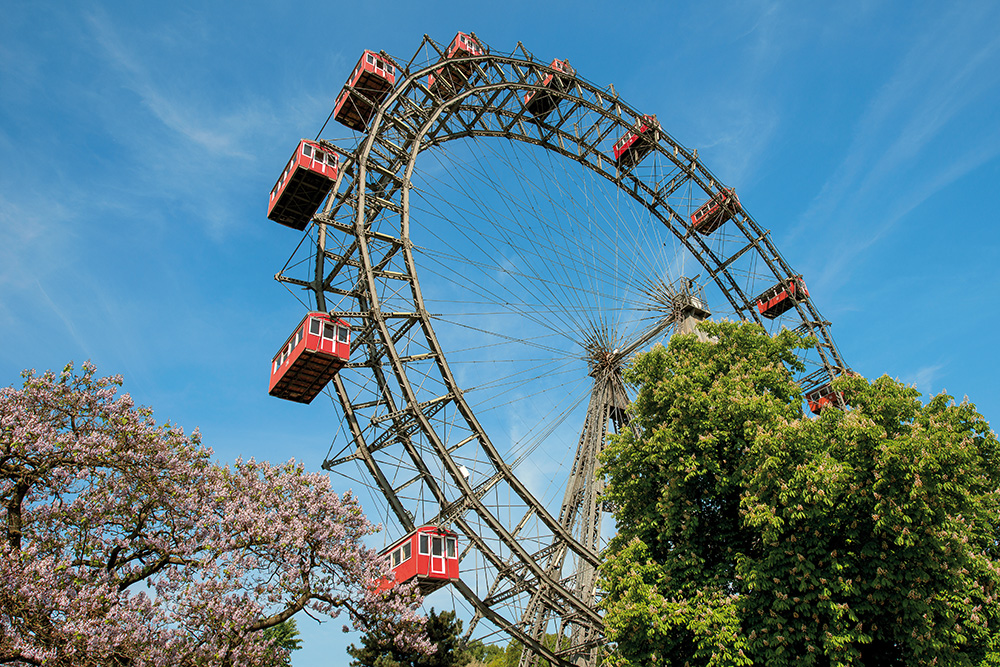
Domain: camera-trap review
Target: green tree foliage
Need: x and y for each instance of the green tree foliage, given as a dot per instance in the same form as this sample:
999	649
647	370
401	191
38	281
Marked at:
484	655
501	657
284	639
444	630
511	656
752	535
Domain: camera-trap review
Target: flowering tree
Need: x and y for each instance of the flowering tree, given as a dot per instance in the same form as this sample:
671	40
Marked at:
123	544
444	630
752	535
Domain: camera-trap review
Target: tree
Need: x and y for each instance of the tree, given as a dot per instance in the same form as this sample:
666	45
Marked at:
283	638
444	631
511	655
752	535
482	654
123	544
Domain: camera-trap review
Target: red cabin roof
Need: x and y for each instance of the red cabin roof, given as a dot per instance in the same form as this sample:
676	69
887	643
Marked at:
541	102
716	211
782	297
637	142
451	79
303	185
428	555
463	45
367	87
318	347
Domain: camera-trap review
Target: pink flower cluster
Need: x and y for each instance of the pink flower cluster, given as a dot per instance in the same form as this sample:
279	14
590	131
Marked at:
123	544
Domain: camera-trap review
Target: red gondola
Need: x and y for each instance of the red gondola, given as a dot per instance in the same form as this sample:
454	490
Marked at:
717	210
453	78
637	142
429	554
312	355
303	185
541	102
781	297
366	88
822	397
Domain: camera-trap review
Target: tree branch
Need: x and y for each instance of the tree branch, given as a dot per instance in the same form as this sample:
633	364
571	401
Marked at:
152	569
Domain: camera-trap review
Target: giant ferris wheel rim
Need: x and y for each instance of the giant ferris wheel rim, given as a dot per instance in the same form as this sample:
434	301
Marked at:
497	81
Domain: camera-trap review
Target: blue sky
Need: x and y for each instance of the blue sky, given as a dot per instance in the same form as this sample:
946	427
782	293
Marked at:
138	143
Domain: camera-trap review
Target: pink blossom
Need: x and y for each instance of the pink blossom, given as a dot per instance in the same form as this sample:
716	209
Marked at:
126	544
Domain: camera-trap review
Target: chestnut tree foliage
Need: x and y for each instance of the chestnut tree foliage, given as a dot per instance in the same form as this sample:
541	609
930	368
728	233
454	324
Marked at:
122	543
750	534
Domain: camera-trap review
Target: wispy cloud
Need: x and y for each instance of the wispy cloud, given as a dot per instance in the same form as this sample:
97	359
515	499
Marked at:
923	379
186	115
909	145
738	118
61	311
194	136
35	231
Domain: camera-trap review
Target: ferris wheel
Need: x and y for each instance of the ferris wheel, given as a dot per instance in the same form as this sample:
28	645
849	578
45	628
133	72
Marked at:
501	240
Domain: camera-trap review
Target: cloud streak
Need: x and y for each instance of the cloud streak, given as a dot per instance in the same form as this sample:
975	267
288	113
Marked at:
924	378
186	117
910	143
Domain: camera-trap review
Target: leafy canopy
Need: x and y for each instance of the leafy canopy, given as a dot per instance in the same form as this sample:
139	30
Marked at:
285	638
444	631
752	535
122	543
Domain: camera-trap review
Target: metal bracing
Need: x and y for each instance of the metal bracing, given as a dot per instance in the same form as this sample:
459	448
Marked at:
582	508
581	511
463	218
